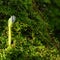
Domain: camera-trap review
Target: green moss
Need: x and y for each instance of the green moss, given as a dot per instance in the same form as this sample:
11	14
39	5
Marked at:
34	34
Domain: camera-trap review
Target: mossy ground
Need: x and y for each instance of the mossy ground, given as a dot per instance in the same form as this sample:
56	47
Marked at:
35	33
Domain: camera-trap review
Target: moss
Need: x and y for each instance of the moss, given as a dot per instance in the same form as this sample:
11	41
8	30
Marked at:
34	33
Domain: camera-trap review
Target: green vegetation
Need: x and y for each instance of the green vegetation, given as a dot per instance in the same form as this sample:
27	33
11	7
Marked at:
35	33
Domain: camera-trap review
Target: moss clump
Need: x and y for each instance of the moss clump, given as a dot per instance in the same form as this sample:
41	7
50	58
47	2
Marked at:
34	34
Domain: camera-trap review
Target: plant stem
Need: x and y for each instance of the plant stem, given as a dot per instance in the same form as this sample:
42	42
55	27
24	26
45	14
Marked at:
9	36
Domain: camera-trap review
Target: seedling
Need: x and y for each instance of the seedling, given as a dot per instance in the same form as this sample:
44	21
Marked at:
10	22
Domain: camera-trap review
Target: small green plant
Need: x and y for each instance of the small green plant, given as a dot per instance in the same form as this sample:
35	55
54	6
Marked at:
10	22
